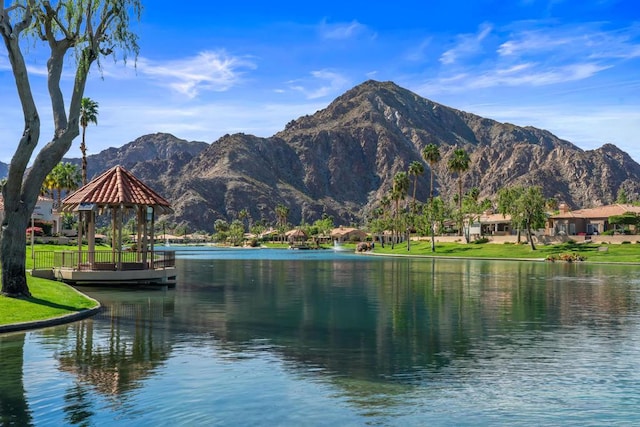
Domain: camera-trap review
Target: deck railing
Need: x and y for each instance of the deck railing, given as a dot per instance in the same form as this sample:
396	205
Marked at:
103	260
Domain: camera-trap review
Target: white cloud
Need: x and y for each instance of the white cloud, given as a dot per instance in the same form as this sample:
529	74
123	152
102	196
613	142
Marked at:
341	31
571	41
467	44
207	71
331	83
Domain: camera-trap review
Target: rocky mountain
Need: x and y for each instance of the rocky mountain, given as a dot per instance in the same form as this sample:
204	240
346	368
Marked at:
156	156
342	159
4	170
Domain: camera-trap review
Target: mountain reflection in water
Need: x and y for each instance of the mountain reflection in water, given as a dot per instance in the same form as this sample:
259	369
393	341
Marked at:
360	339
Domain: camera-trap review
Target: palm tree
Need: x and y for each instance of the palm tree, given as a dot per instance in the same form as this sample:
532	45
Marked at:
416	169
282	212
400	189
458	164
88	114
399	192
431	153
243	215
64	176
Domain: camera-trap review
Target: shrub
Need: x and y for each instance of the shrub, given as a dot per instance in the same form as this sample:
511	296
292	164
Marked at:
481	240
571	257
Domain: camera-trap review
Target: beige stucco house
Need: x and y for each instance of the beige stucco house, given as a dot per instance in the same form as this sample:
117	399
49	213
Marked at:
586	221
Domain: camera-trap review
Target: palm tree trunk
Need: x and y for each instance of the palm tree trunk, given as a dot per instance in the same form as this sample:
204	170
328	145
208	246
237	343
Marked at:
83	148
415	184
431	183
460	225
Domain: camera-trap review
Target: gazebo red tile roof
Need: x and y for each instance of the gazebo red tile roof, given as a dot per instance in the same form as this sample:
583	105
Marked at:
116	187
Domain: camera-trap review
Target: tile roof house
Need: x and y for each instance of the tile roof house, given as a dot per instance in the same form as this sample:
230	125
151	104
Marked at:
495	224
586	221
348	234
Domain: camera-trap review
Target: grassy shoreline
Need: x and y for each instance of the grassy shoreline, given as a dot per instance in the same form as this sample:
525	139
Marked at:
49	299
588	252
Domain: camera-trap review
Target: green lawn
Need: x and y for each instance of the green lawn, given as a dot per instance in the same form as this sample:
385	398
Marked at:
588	251
49	298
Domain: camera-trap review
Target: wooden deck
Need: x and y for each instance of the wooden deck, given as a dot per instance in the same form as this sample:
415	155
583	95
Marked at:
106	267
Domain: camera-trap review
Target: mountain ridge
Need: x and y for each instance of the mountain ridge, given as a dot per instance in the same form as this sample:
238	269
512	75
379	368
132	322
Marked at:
341	160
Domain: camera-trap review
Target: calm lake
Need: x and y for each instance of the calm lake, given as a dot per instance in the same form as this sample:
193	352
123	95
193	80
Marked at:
279	337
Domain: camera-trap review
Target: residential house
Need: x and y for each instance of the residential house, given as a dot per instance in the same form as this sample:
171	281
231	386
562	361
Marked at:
495	224
586	221
42	212
295	235
348	234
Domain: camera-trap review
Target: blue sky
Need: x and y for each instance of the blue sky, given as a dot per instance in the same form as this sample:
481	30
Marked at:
210	68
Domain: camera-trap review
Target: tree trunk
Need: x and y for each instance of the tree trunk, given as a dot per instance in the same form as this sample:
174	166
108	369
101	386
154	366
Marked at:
433	238
530	237
13	244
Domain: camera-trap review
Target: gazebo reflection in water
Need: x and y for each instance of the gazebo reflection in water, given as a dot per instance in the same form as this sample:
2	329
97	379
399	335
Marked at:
119	193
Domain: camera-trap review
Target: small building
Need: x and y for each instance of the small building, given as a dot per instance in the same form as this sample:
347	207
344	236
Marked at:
296	235
348	234
495	224
116	192
586	221
42	212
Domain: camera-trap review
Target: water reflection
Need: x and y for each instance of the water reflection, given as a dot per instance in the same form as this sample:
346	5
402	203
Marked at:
386	336
14	409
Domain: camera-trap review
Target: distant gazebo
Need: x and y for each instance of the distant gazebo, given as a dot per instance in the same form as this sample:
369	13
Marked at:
118	192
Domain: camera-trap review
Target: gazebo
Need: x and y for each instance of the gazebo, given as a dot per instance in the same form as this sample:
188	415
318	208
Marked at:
118	192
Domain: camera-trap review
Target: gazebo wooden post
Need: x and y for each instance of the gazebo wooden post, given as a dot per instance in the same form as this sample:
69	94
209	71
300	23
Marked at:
91	237
153	238
142	221
120	222
80	227
114	225
140	234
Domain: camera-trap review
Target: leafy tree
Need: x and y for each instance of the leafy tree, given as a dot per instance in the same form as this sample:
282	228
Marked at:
626	219
86	30
435	213
88	114
236	232
472	208
526	206
507	203
622	197
458	164
324	225
552	204
431	153
416	169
